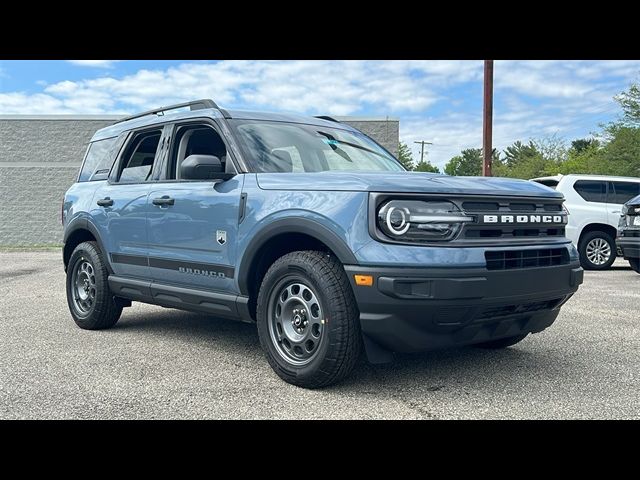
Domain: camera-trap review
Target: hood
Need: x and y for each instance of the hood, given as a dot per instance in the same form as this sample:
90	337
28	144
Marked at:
403	182
635	201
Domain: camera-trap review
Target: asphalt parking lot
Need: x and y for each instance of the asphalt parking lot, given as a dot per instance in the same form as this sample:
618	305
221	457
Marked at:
162	363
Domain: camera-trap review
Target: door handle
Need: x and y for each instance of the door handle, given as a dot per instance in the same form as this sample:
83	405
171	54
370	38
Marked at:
616	211
105	202
164	200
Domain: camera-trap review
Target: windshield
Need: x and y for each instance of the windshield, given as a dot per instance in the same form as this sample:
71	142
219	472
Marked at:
293	147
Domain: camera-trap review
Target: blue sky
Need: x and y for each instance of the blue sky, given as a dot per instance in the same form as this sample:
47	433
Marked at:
436	101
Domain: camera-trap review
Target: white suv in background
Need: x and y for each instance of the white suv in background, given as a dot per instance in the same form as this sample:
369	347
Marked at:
594	203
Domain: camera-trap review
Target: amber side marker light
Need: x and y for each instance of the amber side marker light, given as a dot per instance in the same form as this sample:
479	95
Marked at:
364	280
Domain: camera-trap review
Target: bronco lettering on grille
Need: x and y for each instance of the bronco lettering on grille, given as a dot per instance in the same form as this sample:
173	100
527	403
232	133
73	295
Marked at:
524	219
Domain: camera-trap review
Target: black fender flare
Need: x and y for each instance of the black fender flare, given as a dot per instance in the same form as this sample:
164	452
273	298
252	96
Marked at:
83	223
291	225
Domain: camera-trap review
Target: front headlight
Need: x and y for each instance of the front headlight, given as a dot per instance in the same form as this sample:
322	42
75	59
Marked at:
630	217
420	221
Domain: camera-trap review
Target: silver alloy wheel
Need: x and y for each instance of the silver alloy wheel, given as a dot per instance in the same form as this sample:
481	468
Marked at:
296	321
598	251
83	285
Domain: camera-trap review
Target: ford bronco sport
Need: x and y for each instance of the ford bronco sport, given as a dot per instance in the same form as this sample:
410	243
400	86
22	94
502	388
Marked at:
312	230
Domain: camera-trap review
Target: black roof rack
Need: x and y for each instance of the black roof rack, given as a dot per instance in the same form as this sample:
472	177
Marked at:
194	105
327	117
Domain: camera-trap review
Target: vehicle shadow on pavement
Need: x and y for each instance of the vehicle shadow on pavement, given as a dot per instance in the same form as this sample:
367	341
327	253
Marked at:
185	324
441	369
433	371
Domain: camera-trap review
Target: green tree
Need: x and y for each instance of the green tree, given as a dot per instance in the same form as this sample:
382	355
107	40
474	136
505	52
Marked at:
630	103
519	152
425	166
585	159
621	155
469	162
405	156
582	144
534	159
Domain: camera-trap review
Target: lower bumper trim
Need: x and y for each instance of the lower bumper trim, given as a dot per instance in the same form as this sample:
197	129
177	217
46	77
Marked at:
421	309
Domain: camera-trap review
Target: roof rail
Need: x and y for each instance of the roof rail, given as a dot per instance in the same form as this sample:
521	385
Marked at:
327	117
194	105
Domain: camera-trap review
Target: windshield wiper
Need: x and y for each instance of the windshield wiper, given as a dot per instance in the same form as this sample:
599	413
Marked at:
335	148
354	145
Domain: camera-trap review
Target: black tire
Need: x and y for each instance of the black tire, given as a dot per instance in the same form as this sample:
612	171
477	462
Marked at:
589	237
340	340
502	342
635	264
102	311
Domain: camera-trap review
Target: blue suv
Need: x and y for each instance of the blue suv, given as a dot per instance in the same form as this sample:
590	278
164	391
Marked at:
312	230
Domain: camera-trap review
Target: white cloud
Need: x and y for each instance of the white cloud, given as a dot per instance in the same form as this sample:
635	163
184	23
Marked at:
328	87
93	63
437	101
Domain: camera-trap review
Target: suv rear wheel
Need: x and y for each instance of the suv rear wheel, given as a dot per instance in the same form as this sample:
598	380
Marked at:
597	250
90	300
308	323
635	264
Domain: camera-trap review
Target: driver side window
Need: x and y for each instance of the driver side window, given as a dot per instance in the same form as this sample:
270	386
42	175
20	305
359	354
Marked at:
196	140
139	158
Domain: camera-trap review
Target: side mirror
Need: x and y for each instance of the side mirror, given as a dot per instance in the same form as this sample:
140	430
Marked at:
203	167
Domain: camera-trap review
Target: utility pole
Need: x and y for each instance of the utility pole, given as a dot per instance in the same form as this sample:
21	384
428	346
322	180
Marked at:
422	144
487	148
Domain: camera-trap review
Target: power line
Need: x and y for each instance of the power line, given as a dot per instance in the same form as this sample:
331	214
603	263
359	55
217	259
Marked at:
422	144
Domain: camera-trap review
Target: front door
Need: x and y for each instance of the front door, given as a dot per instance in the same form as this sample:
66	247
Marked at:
192	225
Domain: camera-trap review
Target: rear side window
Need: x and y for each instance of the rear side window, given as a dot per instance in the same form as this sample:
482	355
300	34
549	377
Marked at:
98	161
137	163
592	190
622	192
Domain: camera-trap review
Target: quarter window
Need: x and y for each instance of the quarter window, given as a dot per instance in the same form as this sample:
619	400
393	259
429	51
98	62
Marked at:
139	157
99	159
592	190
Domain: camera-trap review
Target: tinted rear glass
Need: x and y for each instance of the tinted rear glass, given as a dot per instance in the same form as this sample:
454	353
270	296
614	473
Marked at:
99	158
622	192
592	190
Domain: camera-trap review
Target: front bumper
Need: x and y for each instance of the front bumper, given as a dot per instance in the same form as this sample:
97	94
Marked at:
414	309
630	246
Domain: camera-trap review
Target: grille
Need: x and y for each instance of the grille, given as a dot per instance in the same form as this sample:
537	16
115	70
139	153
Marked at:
510	259
497	232
510	207
494	312
480	232
630	233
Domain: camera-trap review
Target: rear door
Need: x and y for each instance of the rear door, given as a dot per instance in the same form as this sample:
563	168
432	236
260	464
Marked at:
620	192
120	204
193	225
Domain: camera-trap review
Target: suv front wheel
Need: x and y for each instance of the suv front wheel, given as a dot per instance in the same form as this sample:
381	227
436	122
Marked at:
308	322
597	250
635	264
